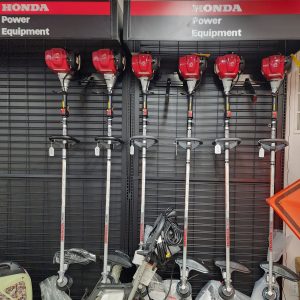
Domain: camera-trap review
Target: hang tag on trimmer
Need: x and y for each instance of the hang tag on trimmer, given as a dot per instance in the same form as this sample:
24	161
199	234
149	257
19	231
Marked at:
97	150
218	149
261	152
131	149
51	151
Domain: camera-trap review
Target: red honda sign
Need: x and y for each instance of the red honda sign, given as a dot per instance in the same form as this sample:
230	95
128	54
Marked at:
214	8
55	8
212	20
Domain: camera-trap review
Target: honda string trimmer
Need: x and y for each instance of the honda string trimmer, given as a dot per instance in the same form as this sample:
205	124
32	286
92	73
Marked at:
64	64
273	68
228	68
143	66
109	65
191	68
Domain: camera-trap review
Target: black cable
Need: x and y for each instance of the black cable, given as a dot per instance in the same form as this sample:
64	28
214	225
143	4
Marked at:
171	279
173	234
234	84
147	290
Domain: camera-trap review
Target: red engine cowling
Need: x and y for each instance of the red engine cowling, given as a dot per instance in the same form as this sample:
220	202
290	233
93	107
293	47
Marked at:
104	61
142	65
190	66
57	60
227	66
273	67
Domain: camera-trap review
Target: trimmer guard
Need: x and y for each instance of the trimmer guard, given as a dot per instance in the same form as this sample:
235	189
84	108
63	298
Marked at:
76	256
281	271
286	204
234	266
211	292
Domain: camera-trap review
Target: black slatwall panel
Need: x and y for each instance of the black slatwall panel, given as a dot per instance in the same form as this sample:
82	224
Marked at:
249	174
31	181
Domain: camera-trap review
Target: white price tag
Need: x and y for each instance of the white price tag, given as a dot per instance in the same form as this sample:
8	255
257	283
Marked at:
218	149
51	151
97	150
132	149
261	152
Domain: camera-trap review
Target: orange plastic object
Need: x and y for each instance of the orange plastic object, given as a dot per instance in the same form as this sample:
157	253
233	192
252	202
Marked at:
286	204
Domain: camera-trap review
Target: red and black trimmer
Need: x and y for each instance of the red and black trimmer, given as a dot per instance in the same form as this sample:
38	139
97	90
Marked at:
64	63
191	68
144	67
228	68
110	65
274	69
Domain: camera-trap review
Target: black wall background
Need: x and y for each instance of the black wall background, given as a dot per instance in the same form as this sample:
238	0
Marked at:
30	180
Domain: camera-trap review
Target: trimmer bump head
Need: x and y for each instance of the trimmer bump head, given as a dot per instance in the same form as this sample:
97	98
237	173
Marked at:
267	296
66	284
184	292
225	294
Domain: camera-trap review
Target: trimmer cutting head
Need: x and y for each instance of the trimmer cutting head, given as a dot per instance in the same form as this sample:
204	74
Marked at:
227	67
274	68
144	66
64	63
191	67
108	64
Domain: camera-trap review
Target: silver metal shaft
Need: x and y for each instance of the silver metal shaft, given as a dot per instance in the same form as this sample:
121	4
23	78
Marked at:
107	201
61	271
143	184
271	211
227	211
186	206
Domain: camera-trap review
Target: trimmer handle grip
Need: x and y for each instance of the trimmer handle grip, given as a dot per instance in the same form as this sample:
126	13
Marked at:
60	138
104	141
226	143
142	141
185	143
109	138
273	144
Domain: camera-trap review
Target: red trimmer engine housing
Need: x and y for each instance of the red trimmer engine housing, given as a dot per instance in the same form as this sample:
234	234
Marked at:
227	67
64	63
144	66
108	64
191	68
61	61
274	68
105	62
